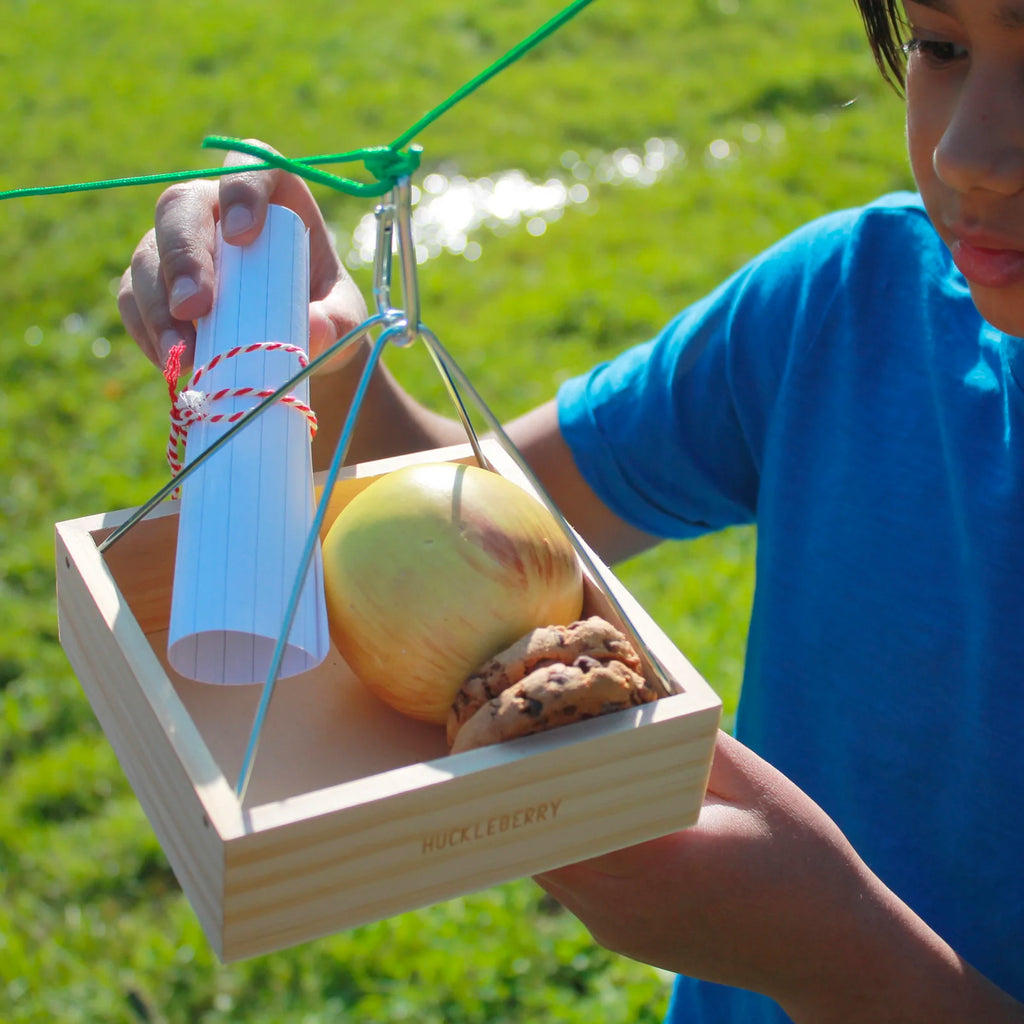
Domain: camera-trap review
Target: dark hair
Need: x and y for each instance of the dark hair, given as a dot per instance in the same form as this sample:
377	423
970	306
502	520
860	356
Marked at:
884	26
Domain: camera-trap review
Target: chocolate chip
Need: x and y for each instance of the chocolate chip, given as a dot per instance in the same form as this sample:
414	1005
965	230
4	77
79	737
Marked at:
532	707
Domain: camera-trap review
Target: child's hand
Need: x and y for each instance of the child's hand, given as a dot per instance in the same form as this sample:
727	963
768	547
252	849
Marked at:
170	281
765	893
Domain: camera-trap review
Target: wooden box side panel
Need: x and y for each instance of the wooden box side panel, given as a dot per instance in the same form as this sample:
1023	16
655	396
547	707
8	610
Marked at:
144	558
140	565
560	801
109	675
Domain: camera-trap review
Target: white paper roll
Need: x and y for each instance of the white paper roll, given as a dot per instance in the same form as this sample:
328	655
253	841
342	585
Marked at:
245	514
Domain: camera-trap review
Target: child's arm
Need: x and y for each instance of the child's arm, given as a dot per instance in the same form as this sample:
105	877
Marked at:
766	893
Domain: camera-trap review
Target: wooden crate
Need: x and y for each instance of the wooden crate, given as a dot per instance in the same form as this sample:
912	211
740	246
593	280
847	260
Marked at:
353	813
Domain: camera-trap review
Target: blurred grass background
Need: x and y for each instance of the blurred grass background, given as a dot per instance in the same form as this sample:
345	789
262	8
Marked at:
781	116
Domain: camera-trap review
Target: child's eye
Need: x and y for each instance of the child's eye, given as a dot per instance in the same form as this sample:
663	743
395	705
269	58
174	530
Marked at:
934	51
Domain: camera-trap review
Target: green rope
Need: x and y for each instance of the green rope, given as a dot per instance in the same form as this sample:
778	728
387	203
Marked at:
520	50
387	164
212	142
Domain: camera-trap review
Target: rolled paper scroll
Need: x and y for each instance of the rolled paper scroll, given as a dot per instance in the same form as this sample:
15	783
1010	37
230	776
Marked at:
246	512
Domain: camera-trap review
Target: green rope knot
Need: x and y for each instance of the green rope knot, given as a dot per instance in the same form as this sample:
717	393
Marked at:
388	165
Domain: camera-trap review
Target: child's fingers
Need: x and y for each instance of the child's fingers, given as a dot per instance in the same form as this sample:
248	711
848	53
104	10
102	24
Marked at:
185	239
245	195
338	314
170	284
142	301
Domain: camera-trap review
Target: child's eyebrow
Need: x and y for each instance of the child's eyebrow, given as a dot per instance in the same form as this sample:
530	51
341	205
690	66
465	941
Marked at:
1009	15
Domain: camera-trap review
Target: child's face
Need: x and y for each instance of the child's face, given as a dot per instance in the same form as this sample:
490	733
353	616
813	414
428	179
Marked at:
965	130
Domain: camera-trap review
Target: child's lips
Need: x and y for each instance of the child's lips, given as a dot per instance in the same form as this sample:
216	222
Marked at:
989	266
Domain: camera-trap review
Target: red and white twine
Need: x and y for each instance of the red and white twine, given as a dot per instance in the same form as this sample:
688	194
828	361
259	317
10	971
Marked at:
190	405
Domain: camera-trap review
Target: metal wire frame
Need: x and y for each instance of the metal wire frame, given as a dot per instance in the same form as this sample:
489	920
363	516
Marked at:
400	326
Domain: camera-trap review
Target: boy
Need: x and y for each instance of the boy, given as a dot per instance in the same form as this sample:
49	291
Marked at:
856	391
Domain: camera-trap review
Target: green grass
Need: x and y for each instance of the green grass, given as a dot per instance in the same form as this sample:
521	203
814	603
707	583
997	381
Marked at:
92	924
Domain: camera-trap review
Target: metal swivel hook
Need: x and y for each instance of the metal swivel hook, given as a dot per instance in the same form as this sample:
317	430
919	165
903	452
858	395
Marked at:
396	214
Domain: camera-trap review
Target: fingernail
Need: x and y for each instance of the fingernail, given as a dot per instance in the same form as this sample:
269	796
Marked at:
182	289
237	219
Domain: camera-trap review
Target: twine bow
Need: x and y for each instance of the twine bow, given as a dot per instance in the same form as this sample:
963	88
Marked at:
190	405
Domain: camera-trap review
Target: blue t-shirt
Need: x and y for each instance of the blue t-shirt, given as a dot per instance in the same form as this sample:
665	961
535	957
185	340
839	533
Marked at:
843	393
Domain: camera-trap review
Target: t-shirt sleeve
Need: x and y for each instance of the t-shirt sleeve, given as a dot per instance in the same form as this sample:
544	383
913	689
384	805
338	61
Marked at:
671	433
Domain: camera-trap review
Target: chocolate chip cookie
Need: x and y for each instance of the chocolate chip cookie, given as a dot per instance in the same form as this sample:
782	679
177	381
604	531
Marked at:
593	638
551	695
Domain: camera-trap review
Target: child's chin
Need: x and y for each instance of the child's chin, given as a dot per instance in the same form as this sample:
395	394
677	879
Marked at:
1003	308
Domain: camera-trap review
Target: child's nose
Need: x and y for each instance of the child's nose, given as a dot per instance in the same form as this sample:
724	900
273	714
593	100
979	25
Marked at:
983	144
